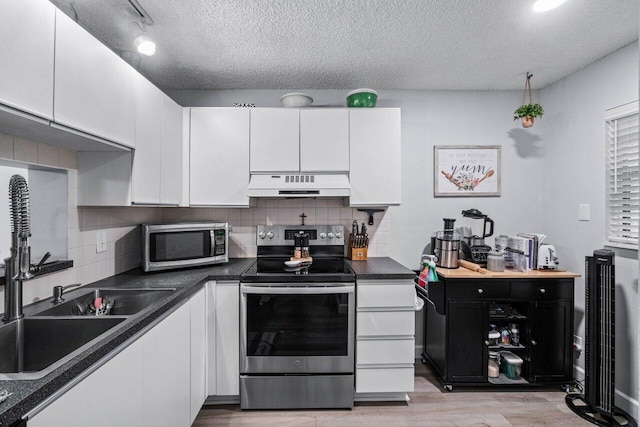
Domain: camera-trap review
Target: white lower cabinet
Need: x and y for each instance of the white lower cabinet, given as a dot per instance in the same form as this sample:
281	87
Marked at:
167	377
385	339
149	383
112	395
198	352
223	326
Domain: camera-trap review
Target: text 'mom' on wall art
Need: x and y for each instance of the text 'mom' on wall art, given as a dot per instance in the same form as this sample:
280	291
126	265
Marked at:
466	170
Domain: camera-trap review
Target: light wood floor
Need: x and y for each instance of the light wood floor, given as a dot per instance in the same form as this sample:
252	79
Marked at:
429	405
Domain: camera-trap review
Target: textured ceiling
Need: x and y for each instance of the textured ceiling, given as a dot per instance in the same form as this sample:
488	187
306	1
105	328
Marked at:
345	44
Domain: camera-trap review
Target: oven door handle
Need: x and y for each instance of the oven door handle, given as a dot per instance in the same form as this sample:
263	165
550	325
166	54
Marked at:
298	290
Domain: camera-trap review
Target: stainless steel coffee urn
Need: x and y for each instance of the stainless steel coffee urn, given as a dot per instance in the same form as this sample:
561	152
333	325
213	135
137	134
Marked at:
447	245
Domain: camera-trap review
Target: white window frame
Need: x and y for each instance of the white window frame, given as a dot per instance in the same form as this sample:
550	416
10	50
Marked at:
622	175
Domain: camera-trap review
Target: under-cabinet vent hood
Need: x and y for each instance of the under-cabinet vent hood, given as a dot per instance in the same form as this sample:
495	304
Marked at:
299	185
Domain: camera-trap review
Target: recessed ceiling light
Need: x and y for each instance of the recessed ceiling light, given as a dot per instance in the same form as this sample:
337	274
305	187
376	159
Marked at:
545	5
145	46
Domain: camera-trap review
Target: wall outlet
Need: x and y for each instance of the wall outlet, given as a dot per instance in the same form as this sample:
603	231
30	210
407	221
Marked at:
101	241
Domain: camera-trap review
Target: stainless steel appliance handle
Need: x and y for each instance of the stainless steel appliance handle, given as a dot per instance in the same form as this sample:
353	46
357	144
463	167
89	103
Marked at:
299	290
212	239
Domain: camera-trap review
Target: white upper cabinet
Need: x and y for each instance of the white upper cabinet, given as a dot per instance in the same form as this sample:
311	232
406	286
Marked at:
299	140
219	157
145	179
94	88
275	140
374	147
171	149
152	173
324	140
26	55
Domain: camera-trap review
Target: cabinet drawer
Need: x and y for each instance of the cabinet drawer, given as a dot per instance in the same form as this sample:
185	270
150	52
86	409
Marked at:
478	290
386	296
384	380
543	289
384	323
376	352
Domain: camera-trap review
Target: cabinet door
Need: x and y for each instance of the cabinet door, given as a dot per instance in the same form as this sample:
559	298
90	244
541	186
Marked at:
374	156
219	157
94	88
171	152
145	179
466	349
275	140
26	55
227	311
115	387
198	333
324	140
551	341
223	338
212	324
167	398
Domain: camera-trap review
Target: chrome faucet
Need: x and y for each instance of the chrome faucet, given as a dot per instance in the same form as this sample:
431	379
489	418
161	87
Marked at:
18	268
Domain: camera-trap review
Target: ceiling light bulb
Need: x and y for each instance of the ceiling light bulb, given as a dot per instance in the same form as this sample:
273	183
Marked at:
545	5
145	46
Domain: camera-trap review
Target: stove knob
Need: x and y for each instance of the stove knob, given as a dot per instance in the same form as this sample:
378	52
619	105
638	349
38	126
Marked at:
338	235
323	235
270	235
262	235
330	235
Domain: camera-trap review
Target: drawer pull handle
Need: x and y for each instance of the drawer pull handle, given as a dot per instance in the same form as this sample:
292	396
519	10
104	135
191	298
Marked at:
543	290
480	290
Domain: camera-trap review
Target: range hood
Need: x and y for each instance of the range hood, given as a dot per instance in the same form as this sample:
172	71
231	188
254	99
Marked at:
288	185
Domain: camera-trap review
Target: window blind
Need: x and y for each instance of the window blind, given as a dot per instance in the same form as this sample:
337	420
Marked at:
623	170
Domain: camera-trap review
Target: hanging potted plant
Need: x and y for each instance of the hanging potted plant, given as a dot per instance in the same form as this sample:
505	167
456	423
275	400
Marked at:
527	112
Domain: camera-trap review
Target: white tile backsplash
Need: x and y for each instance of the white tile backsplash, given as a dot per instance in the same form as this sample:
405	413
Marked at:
122	224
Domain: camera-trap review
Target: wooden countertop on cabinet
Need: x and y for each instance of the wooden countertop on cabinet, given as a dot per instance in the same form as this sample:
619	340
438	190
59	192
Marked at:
464	273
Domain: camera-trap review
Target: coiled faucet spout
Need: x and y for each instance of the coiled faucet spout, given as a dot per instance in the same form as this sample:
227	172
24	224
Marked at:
18	266
21	225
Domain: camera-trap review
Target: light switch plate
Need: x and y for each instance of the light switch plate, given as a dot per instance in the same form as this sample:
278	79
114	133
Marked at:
101	241
584	212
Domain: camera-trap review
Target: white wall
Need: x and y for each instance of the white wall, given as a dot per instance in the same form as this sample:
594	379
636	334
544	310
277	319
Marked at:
574	123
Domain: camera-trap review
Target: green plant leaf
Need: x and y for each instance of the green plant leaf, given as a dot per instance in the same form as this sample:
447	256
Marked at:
528	110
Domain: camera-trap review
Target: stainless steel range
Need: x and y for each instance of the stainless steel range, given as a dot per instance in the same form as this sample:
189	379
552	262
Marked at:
297	323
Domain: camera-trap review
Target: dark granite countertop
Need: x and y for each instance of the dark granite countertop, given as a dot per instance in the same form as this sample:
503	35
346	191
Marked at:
26	394
380	268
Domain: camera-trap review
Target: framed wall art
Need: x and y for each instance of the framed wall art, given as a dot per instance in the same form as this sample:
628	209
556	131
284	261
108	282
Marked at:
466	170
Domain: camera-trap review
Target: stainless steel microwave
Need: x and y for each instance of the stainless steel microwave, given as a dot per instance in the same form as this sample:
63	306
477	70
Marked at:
186	244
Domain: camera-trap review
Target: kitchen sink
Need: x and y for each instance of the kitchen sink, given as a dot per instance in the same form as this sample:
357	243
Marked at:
126	302
32	347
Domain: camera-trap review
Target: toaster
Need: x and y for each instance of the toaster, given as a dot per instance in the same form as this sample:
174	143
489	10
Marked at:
547	259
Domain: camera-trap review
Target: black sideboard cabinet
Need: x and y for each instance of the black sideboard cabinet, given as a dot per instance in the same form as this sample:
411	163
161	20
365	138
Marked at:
460	310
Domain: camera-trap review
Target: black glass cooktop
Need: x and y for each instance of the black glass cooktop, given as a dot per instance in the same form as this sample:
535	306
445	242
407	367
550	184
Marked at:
321	270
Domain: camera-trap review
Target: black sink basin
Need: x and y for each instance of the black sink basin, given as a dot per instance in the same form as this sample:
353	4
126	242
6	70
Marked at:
33	347
126	302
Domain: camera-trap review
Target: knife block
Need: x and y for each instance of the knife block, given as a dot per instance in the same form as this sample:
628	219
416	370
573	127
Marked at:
357	254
